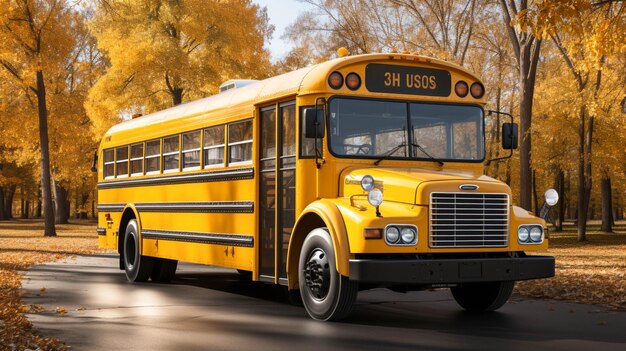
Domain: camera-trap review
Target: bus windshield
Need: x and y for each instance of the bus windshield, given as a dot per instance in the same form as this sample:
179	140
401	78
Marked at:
405	130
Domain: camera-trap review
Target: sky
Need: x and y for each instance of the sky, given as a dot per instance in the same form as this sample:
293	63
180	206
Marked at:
282	13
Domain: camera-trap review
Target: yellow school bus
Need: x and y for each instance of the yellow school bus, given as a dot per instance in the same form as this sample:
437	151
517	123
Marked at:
363	171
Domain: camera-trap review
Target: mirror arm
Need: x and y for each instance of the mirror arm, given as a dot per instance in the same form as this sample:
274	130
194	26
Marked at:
511	135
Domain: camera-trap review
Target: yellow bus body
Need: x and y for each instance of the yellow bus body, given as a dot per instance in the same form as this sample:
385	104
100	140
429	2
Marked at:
329	196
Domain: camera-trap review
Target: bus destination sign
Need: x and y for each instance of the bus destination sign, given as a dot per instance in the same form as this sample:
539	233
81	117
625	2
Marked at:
395	79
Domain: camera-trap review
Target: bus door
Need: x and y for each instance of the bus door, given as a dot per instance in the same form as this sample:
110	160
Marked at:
277	189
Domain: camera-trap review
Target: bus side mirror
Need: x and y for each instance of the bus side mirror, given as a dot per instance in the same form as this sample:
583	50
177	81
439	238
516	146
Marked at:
509	136
313	121
94	163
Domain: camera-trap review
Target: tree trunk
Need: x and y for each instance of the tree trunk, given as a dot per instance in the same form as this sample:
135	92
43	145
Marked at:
27	210
526	106
562	200
177	96
582	209
22	203
46	191
38	208
584	174
607	205
9	193
61	204
2	204
536	200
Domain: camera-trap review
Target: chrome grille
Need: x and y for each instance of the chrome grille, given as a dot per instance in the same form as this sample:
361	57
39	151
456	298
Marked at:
469	220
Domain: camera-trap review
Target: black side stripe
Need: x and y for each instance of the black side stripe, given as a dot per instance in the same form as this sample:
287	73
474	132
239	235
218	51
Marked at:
234	174
186	207
110	207
244	240
101	231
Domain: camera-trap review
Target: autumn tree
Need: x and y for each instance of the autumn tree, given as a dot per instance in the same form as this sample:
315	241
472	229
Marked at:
163	52
35	36
586	39
69	88
526	48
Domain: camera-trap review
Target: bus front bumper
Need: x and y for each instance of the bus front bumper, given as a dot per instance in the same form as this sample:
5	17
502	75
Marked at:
451	271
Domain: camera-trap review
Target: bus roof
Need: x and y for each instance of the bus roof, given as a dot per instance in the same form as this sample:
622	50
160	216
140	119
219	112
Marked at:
302	81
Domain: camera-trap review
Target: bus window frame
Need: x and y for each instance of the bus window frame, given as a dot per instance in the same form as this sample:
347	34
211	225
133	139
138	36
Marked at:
242	142
164	154
127	160
408	102
301	131
157	156
205	148
140	158
183	151
104	163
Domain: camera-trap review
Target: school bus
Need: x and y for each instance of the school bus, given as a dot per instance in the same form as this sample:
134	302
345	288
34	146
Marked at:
363	171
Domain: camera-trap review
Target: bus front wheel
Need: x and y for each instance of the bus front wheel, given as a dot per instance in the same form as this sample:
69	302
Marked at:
326	294
137	267
480	297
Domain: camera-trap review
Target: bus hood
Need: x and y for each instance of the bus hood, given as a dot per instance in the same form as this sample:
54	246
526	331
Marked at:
414	185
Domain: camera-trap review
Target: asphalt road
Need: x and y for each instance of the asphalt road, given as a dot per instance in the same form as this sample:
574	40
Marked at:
209	308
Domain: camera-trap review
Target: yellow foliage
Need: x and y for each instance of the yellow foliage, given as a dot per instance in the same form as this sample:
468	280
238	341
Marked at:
164	52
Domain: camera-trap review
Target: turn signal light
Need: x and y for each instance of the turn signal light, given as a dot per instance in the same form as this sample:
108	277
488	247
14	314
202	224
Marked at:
353	81
477	90
335	80
461	89
373	233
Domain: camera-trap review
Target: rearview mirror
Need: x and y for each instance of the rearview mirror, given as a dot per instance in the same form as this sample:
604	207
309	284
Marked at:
509	136
94	162
313	123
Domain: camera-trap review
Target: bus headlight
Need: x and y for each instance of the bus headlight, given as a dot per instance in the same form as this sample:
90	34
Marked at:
530	234
401	234
536	234
408	235
392	235
367	183
375	197
522	234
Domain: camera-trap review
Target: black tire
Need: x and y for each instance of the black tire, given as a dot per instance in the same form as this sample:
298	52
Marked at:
295	298
163	270
137	267
326	294
482	297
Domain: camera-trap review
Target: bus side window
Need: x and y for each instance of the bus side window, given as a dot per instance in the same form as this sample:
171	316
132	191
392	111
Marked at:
171	153
136	159
240	143
109	163
214	147
191	150
121	161
153	156
307	145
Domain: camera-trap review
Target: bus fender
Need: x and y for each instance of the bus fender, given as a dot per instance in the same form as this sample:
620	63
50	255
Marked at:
331	218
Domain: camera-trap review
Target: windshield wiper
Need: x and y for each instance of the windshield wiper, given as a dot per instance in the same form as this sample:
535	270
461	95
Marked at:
439	162
389	153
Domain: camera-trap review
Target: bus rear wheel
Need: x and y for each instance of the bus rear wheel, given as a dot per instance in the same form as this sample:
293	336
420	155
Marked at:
482	297
137	266
326	294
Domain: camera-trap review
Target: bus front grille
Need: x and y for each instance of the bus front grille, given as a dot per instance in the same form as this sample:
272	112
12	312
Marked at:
469	220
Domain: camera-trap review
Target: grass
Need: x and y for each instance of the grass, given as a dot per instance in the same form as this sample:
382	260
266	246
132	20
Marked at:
592	272
22	244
